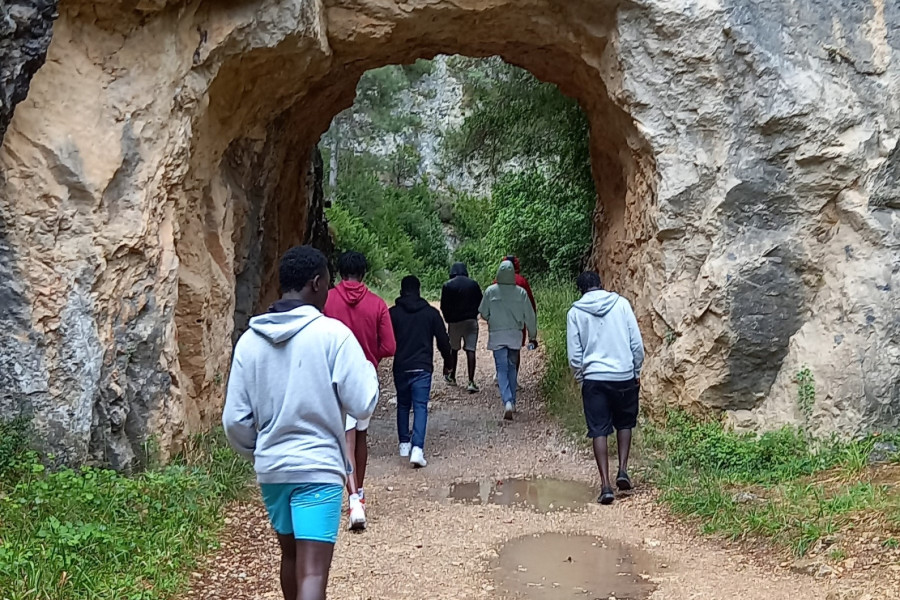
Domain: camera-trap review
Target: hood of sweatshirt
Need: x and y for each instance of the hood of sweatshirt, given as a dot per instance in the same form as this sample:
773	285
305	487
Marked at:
597	303
506	274
458	269
352	291
279	327
412	304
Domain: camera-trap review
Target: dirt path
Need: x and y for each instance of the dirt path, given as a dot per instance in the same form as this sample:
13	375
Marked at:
421	546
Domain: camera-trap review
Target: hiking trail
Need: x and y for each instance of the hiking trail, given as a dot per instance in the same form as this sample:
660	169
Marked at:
421	545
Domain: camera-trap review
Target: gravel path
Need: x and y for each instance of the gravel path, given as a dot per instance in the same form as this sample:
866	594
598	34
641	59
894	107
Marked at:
419	545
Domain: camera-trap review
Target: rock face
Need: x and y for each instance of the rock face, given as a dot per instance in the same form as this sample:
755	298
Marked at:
745	152
437	99
25	28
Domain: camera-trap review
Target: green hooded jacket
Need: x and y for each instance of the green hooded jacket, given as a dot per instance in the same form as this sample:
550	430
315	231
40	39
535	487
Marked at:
507	310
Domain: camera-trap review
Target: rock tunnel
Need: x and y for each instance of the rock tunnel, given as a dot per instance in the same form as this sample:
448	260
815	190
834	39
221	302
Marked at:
164	157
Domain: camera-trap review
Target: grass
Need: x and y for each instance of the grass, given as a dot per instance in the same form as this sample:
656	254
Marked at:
95	534
558	387
772	487
782	486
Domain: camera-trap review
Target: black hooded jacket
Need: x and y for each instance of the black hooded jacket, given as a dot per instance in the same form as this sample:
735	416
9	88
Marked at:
461	296
417	325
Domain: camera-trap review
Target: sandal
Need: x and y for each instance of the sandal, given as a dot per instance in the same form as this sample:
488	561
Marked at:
606	496
623	481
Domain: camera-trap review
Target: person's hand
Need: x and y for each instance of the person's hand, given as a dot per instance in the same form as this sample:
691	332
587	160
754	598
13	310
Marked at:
638	381
533	344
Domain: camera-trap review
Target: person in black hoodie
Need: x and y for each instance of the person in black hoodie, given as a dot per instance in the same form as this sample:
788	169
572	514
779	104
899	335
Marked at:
460	299
417	325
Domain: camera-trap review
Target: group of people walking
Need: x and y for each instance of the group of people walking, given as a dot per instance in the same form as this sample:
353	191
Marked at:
304	385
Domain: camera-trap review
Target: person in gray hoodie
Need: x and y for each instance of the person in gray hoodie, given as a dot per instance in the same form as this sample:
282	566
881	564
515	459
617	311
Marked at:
507	310
606	354
295	375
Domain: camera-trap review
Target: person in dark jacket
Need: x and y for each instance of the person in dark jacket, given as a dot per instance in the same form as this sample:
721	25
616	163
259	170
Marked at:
460	299
417	325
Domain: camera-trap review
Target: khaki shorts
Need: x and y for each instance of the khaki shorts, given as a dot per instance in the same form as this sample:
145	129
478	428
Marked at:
465	332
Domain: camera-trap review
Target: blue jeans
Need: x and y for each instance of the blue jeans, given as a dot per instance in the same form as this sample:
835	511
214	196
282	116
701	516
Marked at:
413	392
507	373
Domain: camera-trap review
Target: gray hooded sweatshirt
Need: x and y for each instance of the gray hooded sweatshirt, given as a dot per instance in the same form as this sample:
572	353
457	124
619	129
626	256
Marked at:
603	338
507	309
294	377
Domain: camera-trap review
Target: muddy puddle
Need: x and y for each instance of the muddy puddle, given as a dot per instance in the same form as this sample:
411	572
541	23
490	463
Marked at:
556	566
543	495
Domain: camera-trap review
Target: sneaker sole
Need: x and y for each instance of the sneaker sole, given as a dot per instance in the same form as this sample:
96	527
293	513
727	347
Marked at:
417	465
624	484
358	526
606	500
508	415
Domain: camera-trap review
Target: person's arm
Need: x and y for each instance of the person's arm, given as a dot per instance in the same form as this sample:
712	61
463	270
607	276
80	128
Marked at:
530	294
574	347
237	417
387	343
444	301
439	330
484	308
637	343
530	321
354	380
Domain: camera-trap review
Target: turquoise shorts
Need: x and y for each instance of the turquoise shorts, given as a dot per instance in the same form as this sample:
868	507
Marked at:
310	511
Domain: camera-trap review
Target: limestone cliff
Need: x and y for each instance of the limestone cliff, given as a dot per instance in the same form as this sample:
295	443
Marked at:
745	152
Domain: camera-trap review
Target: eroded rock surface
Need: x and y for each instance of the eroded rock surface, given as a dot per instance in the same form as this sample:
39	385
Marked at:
25	30
745	152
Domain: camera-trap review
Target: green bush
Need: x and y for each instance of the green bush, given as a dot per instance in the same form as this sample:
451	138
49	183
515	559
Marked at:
545	223
398	228
351	234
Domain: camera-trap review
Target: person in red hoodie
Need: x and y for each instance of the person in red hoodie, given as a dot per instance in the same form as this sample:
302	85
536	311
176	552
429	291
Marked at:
351	303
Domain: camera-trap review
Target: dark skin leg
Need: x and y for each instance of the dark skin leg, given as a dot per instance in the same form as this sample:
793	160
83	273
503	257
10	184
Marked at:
350	437
362	457
450	365
312	567
288	566
470	360
601	455
623	438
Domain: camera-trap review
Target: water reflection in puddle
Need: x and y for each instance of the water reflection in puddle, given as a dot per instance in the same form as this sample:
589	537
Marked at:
555	566
543	495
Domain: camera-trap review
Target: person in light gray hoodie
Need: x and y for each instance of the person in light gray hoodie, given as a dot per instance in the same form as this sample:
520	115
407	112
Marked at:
606	354
295	376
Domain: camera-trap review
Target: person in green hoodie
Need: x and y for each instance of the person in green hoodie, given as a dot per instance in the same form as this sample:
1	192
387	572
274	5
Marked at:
507	310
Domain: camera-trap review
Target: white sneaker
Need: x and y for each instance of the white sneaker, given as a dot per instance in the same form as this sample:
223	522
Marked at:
357	514
508	409
417	458
404	449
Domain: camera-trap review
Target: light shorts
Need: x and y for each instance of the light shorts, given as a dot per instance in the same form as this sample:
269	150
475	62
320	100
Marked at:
310	511
463	334
352	423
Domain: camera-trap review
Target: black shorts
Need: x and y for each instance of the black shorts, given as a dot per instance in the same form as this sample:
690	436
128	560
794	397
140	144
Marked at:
608	405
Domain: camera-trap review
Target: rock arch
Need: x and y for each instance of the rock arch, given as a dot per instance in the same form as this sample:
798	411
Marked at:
162	160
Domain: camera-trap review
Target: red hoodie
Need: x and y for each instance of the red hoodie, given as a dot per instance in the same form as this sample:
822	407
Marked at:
351	303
